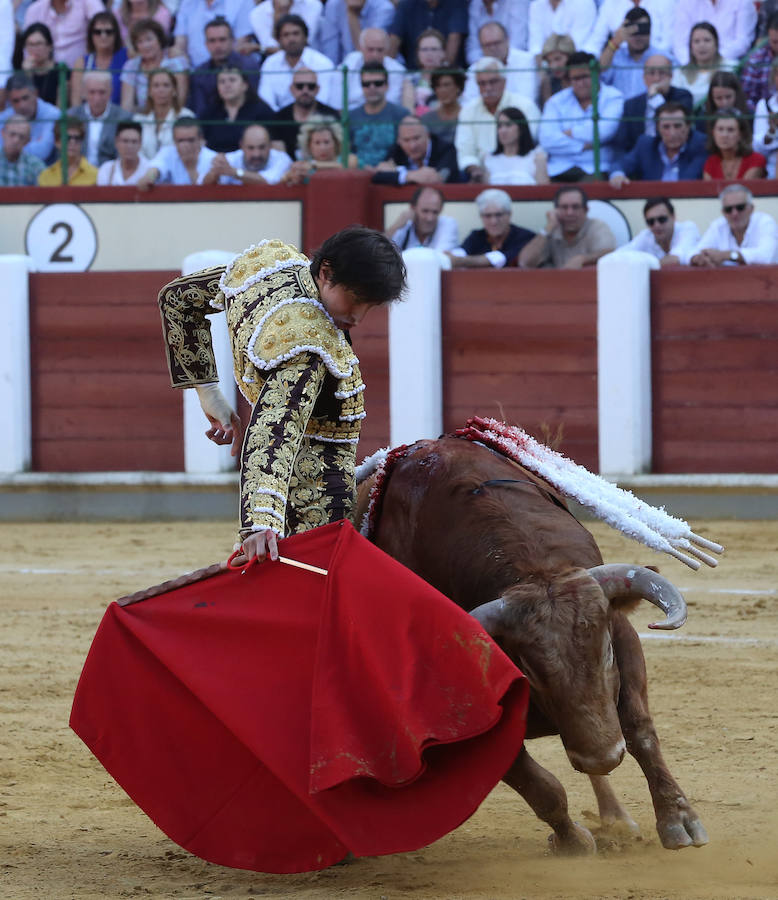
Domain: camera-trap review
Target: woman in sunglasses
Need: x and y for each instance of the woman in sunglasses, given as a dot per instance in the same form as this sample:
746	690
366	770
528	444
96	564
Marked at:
105	51
731	154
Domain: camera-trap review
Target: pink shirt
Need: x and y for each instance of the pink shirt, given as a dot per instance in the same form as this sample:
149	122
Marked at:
68	29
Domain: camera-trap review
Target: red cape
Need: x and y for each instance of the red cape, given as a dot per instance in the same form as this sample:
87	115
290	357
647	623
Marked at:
277	719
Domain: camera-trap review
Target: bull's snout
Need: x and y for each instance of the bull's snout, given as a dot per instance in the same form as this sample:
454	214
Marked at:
600	764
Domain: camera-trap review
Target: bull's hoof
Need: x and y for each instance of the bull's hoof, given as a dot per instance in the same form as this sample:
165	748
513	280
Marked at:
688	832
573	841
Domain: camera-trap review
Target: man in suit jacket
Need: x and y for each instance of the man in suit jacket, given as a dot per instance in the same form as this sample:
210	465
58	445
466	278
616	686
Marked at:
418	157
101	117
639	112
676	153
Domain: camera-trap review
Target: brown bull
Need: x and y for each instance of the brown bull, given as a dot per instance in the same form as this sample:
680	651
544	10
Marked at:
500	543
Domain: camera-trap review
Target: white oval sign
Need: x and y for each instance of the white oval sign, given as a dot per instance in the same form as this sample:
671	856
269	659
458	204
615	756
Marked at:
61	238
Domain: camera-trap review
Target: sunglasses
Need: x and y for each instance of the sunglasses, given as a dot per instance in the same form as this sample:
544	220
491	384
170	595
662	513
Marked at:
654	220
374	83
305	85
103	31
735	206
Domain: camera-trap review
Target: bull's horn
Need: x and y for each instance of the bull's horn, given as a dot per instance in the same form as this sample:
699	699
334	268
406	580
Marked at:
489	615
621	580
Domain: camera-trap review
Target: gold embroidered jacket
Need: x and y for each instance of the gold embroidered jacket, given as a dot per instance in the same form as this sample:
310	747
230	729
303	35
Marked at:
296	369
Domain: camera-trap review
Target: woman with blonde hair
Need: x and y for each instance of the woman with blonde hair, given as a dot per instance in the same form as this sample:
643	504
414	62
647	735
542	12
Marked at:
163	107
320	142
704	60
557	48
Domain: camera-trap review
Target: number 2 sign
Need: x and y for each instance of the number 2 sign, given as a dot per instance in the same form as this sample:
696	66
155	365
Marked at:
61	238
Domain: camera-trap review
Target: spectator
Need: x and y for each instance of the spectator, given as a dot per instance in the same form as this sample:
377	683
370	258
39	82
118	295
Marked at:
610	17
101	115
7	39
17	168
640	112
374	124
766	123
345	21
220	44
80	172
623	57
766	11
517	159
499	242
447	85
669	241
236	107
740	236
570	240
373	48
277	69
724	92
194	15
756	76
148	41
287	121
254	162
476	134
422	225
430	55
571	18
321	143
411	17
23	100
266	14
557	49
731	153
735	21
704	60
163	108
511	15
418	157
128	166
520	67
105	52
676	153
132	11
186	161
38	62
567	128
68	21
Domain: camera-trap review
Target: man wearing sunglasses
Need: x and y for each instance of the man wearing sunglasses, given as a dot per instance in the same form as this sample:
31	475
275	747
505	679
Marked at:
669	241
374	124
739	236
288	119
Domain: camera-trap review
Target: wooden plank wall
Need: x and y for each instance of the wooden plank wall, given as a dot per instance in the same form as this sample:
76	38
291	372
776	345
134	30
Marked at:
101	395
715	370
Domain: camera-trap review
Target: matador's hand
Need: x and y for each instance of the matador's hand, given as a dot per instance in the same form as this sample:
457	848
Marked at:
259	544
231	434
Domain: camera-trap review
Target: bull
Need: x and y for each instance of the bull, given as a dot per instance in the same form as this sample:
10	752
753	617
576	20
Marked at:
501	543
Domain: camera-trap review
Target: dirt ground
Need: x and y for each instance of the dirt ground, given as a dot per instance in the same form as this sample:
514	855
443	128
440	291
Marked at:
67	830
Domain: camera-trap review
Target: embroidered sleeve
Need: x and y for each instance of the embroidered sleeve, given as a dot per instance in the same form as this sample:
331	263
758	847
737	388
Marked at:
272	442
184	305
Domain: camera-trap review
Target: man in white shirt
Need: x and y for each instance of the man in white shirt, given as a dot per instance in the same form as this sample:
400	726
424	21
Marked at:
254	162
511	14
101	117
264	14
610	18
669	241
476	134
186	161
373	48
572	17
422	224
735	21
740	236
521	73
276	72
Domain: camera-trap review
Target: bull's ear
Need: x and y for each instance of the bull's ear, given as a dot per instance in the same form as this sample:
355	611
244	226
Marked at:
490	615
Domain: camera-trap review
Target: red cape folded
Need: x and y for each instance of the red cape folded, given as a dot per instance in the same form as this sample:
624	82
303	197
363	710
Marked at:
277	719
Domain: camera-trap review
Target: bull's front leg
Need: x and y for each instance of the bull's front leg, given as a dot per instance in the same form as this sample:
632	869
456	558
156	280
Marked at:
677	824
613	816
547	799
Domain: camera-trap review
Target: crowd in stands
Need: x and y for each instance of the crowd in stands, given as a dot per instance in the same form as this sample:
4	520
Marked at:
494	92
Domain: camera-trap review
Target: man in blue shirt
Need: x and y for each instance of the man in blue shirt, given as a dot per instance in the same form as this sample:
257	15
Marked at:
623	56
220	43
373	126
23	100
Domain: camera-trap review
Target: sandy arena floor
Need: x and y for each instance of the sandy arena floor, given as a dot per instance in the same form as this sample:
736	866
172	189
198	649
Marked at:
67	831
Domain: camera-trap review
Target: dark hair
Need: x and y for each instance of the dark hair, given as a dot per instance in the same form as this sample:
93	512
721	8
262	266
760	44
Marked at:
373	67
71	122
526	141
110	18
703	26
128	125
364	261
19	81
144	25
744	142
579	60
566	189
426	187
457	74
672	106
729	80
657	201
219	22
772	22
35	28
187	122
251	94
637	14
290	19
